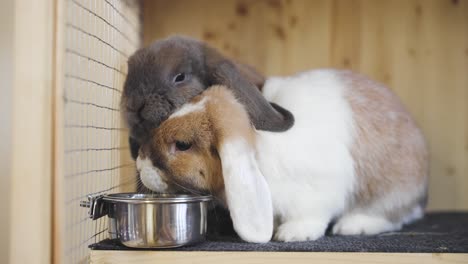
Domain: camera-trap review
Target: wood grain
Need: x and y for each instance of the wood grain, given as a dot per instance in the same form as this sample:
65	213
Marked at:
419	48
6	75
58	159
31	167
176	257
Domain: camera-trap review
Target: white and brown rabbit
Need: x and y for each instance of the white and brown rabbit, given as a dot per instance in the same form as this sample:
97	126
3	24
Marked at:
354	156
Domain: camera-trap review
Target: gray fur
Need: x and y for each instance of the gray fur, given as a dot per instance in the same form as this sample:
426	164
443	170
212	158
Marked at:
150	95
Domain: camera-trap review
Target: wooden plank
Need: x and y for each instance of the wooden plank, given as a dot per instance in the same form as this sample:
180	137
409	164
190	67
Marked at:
58	160
6	90
451	40
345	44
288	44
273	41
143	257
418	48
30	237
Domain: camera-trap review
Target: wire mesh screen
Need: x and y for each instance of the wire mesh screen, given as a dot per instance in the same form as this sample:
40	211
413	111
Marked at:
99	37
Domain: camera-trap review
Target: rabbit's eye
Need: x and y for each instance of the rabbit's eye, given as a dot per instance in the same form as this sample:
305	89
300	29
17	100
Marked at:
182	146
179	77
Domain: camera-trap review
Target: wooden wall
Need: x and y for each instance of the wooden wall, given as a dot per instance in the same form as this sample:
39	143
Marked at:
419	48
6	75
30	175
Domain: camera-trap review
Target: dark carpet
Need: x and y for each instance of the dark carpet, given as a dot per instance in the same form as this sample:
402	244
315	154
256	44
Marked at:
436	233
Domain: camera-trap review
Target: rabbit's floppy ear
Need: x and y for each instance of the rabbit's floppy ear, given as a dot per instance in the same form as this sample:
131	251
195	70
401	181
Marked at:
247	192
265	116
251	74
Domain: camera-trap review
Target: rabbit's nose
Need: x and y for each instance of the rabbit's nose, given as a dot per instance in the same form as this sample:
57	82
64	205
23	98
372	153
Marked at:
154	111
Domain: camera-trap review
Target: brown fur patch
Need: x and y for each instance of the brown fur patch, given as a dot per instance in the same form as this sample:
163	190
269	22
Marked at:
199	168
228	116
389	149
196	167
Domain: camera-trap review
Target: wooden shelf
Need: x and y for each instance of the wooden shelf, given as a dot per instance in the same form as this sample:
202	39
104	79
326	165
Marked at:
207	257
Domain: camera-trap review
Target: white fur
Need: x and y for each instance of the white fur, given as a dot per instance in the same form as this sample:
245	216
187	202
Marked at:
189	108
309	168
415	214
363	224
247	193
372	219
150	175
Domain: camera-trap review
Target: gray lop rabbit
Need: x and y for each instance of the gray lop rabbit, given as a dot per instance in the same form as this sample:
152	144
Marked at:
170	72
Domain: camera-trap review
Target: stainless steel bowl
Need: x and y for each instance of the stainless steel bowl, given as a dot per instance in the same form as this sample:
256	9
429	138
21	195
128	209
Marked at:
154	220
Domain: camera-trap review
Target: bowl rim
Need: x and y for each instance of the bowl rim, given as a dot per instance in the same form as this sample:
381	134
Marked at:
129	197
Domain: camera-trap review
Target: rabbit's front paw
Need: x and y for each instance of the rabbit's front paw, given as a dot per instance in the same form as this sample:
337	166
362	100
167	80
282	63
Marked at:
302	230
362	224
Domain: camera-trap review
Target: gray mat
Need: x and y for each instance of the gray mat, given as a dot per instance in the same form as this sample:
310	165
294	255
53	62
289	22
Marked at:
436	233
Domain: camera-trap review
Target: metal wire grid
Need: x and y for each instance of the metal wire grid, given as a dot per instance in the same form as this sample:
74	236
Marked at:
99	36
